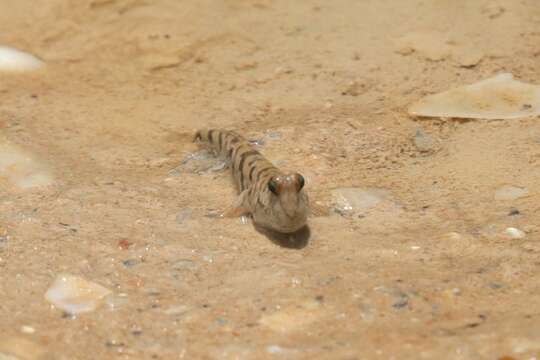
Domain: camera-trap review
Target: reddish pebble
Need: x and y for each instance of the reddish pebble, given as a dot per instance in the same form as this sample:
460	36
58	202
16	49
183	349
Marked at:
136	282
124	244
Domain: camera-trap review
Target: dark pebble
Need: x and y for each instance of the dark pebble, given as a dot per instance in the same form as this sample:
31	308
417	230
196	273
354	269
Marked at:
402	301
495	286
113	343
130	262
514	212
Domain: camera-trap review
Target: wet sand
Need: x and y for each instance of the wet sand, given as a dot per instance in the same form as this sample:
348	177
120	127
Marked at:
428	273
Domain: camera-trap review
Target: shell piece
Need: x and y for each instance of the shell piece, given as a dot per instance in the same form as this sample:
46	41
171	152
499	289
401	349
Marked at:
509	192
17	61
75	295
357	200
514	233
21	168
499	97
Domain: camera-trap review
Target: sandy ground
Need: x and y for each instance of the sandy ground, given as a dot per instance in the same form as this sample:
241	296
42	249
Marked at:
429	274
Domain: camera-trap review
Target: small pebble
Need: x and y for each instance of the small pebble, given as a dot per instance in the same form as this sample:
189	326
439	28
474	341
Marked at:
246	66
354	88
213	214
114	343
514	212
257	142
402	301
424	142
152	292
177	310
27	329
274	135
510	192
221	321
283	70
514	233
130	262
274	349
183	215
124	244
184	264
495	286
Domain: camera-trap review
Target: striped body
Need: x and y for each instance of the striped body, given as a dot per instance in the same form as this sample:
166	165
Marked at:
274	199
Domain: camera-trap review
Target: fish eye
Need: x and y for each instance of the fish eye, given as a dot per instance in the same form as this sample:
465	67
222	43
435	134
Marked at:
273	186
301	182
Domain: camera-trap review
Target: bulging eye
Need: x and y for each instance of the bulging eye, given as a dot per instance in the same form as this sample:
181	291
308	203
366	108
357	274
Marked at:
273	186
301	181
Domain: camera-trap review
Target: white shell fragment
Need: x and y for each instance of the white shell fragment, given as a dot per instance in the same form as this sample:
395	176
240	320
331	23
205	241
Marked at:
75	295
357	200
514	233
499	97
509	192
17	61
21	168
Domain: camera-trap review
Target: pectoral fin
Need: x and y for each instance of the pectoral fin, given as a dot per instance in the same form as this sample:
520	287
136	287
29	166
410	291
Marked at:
239	208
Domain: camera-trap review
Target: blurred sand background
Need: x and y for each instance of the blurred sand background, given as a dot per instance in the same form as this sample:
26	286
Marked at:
429	273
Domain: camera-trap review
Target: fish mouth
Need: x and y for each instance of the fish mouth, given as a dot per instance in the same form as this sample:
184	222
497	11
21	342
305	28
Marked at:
291	214
284	224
